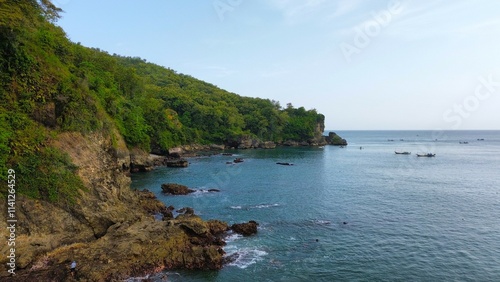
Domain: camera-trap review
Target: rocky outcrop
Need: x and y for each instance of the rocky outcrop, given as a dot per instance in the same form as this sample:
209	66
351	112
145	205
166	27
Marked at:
110	230
151	205
176	189
334	139
175	152
267	145
177	163
141	161
193	150
248	142
245	229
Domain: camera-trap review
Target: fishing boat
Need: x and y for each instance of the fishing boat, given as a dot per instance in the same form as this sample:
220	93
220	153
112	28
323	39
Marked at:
426	155
402	153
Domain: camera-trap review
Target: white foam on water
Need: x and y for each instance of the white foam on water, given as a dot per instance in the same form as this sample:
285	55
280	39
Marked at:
243	258
233	237
321	222
263	206
236	207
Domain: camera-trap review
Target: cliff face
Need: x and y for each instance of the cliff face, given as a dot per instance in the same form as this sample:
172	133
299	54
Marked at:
110	230
334	139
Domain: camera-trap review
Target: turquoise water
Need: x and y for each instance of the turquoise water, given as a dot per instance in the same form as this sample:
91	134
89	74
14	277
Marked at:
351	214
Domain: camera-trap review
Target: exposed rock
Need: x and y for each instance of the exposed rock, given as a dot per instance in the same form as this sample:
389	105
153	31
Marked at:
193	224
186	210
109	230
334	139
194	150
213	190
217	227
244	142
175	152
216	147
177	163
267	145
284	163
245	229
140	161
150	203
290	143
176	189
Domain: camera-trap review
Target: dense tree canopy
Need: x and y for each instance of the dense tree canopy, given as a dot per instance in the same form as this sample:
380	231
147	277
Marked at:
51	85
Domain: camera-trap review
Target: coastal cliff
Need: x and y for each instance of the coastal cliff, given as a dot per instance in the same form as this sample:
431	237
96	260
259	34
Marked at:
110	230
76	121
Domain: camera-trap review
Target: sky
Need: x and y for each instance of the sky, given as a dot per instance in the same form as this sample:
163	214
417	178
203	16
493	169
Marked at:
364	64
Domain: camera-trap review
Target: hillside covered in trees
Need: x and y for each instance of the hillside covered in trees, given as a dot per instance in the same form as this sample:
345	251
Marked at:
72	119
50	85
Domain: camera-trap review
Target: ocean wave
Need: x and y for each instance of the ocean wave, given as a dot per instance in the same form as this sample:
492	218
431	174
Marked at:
321	222
264	206
261	206
243	258
232	237
200	192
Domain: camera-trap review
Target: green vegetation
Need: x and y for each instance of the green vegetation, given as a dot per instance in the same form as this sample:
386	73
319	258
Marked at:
51	85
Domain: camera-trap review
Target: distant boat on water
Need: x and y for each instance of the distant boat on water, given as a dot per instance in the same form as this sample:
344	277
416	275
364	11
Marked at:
402	153
426	155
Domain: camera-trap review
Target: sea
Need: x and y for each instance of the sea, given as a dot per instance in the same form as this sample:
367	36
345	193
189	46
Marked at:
357	213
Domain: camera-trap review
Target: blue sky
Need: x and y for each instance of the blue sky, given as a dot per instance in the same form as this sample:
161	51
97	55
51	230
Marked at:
364	64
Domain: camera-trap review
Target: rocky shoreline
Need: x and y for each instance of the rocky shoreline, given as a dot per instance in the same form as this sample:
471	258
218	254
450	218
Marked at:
141	161
111	231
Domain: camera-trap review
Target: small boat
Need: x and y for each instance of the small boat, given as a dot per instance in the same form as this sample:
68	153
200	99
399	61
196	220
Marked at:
238	160
480	139
464	142
402	153
426	155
